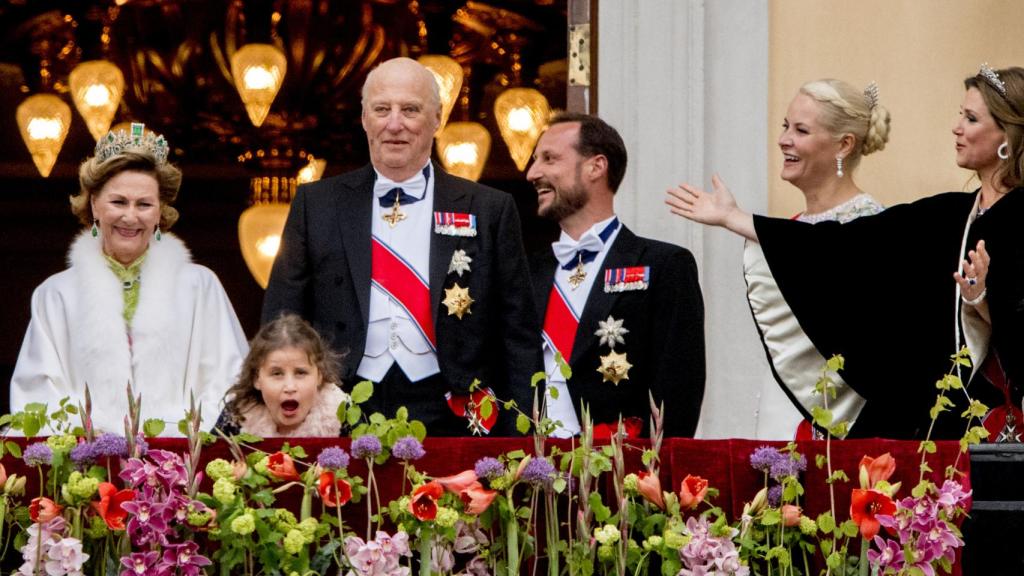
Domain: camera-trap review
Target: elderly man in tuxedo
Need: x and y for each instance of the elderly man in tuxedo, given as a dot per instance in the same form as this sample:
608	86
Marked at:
624	312
419	277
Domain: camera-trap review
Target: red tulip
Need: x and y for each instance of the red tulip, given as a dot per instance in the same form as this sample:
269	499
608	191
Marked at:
424	500
874	470
649	486
477	498
864	505
43	509
791	515
334	491
3	475
458	482
692	491
633	426
281	466
109	506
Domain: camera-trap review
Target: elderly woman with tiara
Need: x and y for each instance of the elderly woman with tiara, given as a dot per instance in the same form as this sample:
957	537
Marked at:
131	307
898	293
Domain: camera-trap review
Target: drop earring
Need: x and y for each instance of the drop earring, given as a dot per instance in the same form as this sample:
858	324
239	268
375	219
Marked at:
95	229
839	166
156	232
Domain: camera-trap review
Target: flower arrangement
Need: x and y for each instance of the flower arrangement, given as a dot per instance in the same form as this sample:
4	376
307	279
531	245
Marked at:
111	505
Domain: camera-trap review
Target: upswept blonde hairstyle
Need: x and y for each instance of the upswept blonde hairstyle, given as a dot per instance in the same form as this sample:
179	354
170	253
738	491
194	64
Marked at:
94	174
846	110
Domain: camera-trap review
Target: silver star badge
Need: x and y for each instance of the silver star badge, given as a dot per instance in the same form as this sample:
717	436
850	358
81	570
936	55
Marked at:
611	332
460	263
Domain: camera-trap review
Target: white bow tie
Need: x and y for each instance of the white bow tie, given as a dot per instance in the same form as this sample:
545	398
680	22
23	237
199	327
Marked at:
567	251
415	186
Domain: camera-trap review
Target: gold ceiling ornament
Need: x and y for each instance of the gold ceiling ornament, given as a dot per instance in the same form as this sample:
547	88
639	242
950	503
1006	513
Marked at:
463	148
521	114
448	74
96	88
258	71
44	120
260	226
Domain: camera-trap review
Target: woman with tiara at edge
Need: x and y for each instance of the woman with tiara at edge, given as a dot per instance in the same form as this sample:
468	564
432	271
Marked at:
131	307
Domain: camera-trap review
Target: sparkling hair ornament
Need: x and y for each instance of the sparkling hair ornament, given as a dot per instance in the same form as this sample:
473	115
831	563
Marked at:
871	95
992	78
115	143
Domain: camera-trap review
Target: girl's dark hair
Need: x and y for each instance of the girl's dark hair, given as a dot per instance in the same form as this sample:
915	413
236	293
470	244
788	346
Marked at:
287	331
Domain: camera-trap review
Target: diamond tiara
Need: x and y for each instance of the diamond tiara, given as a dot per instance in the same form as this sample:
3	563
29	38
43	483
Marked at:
115	143
992	78
871	95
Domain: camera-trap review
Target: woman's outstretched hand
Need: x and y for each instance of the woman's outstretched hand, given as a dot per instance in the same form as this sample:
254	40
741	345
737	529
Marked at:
972	281
716	208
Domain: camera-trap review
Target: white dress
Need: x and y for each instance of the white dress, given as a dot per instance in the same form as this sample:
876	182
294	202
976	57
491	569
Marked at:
791	355
184	338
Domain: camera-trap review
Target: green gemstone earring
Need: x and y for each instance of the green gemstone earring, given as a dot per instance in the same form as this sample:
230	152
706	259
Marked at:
157	233
95	230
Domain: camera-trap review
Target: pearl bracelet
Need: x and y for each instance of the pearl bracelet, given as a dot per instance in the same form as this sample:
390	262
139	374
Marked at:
977	299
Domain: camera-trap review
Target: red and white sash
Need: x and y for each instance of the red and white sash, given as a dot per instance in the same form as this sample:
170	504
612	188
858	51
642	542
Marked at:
400	281
560	323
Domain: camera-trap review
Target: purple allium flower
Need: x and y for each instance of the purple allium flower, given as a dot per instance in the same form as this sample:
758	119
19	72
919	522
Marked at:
775	496
408	448
367	446
111	445
139	563
185	559
333	458
489	468
83	454
538	470
38	454
787	466
141	445
763	458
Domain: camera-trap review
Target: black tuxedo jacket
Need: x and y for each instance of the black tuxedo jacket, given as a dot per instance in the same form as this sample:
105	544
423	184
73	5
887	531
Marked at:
322	273
665	342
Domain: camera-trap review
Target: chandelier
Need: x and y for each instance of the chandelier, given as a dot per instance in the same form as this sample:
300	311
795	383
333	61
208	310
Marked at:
258	70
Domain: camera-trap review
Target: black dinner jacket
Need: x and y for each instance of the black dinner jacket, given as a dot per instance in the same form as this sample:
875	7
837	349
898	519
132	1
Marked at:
322	272
665	342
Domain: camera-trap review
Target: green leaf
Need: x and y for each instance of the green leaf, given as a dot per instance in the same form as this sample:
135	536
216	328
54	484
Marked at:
835	363
354	414
362	392
248	438
822	417
486	407
13	449
30	425
537	378
342	412
834	561
601	512
927	446
35	407
418	430
559	485
553	392
826	523
522	424
183	427
771	517
153	427
377	418
402	414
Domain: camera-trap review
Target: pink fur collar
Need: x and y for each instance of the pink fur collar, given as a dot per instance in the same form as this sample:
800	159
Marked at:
321	422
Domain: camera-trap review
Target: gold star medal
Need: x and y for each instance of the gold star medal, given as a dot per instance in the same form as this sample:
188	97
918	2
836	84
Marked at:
578	275
395	215
614	368
457	300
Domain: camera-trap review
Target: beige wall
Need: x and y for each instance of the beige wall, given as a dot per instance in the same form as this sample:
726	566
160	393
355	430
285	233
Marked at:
919	52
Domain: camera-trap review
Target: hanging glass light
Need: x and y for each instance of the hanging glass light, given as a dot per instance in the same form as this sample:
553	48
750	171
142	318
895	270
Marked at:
521	114
96	89
312	171
448	74
43	120
258	70
463	148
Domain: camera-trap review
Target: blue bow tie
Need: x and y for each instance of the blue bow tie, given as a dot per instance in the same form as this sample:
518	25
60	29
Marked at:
388	199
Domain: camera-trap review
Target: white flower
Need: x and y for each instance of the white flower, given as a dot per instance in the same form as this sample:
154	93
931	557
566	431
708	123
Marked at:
460	263
611	332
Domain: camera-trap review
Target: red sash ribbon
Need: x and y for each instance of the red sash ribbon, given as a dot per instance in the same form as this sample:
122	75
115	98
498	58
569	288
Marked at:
399	280
560	324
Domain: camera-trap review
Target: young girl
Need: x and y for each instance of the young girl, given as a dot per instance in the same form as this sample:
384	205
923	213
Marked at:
288	385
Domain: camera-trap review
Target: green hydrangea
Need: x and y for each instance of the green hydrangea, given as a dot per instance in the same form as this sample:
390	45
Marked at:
631	483
499	483
96	529
294	541
261	465
285	519
653	543
808	526
675	540
606	552
197	519
446	517
607	534
243	524
79	488
308	528
224	491
219	468
62	443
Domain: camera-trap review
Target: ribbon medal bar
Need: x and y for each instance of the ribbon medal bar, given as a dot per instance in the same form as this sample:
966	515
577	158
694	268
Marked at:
625	279
454	224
